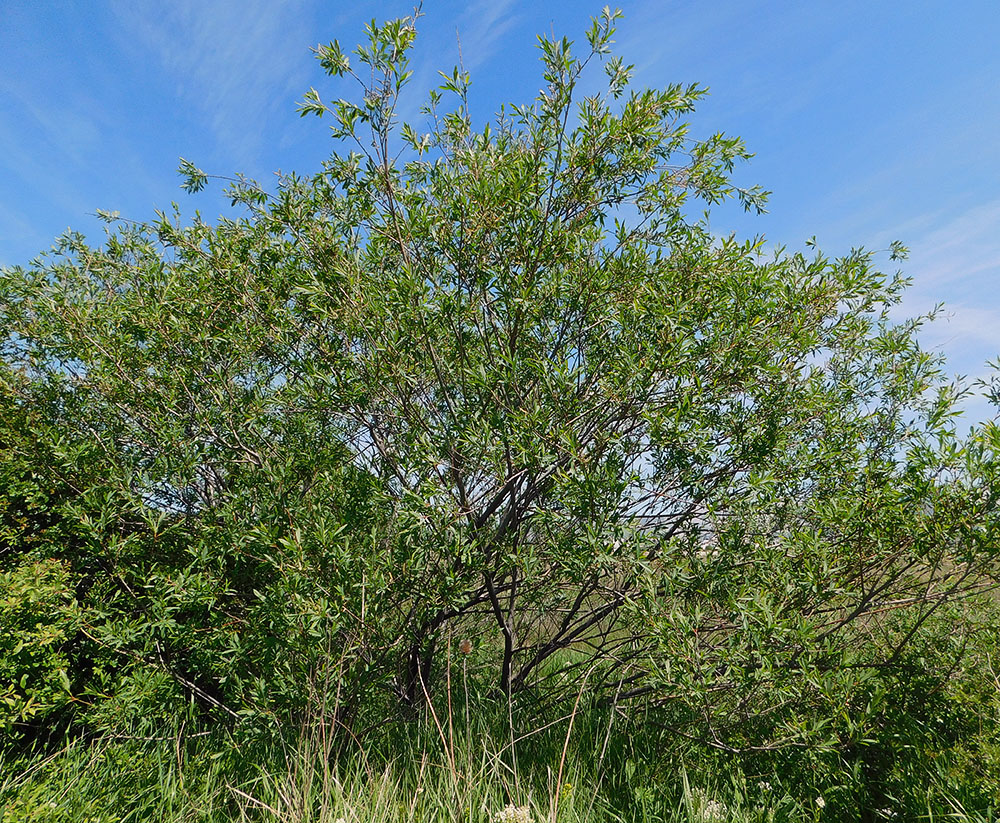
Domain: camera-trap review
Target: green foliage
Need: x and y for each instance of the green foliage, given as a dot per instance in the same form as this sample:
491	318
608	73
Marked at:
490	384
599	766
37	615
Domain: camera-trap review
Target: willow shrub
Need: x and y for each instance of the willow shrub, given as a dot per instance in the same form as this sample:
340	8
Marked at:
489	386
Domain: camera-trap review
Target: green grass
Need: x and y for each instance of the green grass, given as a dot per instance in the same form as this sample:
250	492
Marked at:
466	767
470	758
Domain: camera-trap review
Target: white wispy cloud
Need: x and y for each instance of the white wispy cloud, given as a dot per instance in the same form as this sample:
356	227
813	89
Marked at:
21	161
683	43
470	38
13	224
481	29
961	251
240	62
957	260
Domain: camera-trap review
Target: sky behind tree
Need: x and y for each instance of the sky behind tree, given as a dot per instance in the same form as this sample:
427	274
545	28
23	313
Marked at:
871	122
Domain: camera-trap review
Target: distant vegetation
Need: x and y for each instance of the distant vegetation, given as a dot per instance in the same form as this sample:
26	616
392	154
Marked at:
472	478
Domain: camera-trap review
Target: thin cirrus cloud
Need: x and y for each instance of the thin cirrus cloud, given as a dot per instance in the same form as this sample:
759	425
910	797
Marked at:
238	61
241	64
965	247
482	28
473	41
959	259
43	162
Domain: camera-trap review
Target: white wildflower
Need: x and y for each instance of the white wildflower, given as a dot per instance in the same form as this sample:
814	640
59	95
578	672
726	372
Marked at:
709	809
714	811
821	802
513	814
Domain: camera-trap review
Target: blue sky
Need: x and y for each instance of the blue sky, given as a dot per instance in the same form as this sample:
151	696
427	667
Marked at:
872	121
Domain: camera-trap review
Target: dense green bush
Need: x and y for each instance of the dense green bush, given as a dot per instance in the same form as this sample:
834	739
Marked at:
491	389
37	616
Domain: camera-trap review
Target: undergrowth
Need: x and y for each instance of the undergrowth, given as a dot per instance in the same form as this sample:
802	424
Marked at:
470	765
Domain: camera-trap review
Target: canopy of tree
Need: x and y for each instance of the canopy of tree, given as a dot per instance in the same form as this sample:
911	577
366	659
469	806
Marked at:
486	389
